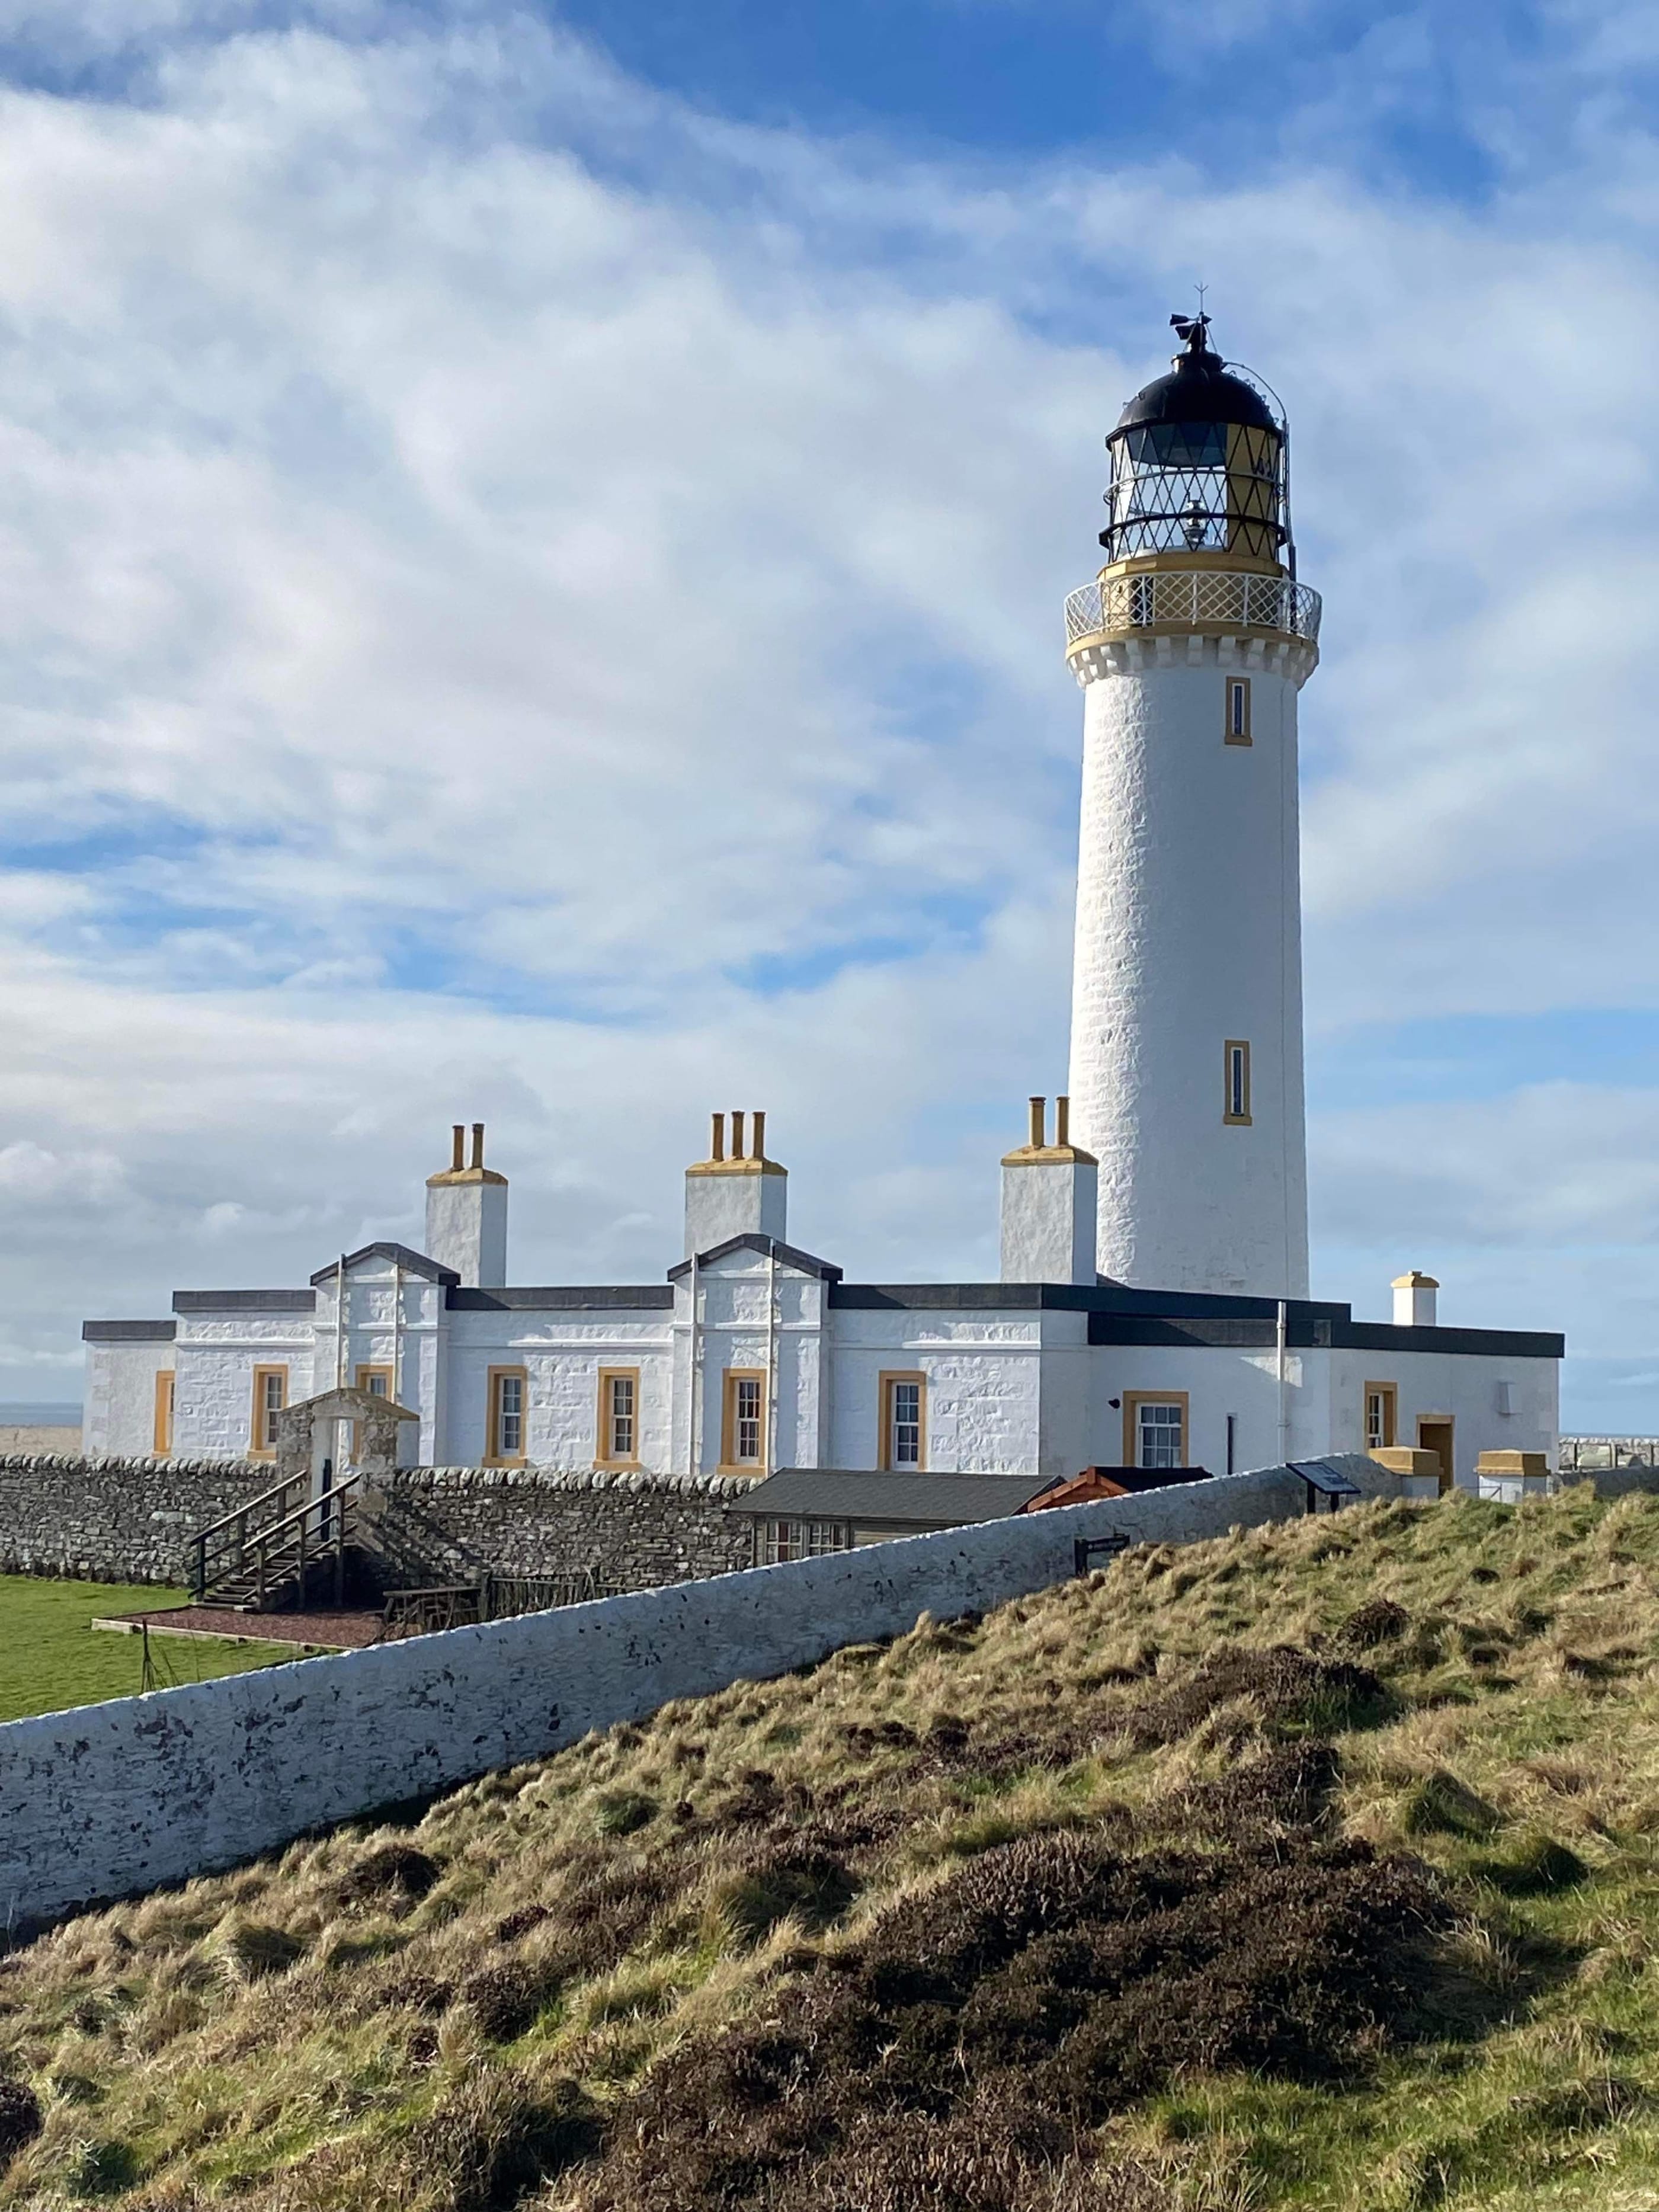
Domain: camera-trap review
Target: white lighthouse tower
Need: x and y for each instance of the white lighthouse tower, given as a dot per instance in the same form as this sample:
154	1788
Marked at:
1191	647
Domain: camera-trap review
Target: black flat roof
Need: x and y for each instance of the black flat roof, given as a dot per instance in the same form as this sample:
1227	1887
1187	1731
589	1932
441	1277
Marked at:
1120	1315
1116	1313
559	1297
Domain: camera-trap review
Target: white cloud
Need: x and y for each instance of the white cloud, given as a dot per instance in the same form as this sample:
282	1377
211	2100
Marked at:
495	562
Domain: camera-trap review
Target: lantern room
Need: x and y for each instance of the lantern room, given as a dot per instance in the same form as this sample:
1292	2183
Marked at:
1199	465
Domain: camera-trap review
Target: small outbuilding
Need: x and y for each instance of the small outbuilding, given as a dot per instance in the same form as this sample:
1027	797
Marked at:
803	1512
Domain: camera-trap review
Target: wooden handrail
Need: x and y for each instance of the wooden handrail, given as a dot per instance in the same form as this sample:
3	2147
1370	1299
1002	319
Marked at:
248	1505
289	1531
347	1483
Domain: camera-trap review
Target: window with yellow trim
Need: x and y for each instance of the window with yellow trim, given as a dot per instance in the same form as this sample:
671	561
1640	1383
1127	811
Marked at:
269	1397
619	1417
1155	1428
743	1426
1381	1415
509	1408
165	1381
904	1422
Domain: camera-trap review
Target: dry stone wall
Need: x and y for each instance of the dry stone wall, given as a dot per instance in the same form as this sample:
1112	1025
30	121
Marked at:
112	1520
129	1520
629	1531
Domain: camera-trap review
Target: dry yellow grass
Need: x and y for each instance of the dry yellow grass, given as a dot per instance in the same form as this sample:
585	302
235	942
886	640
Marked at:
441	2017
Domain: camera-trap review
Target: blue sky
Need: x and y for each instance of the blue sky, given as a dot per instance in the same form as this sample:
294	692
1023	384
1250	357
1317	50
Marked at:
1217	85
529	586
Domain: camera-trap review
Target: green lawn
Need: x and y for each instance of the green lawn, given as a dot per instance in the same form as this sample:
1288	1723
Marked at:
51	1657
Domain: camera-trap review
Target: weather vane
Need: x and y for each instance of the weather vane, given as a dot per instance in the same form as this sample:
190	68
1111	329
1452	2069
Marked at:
1190	329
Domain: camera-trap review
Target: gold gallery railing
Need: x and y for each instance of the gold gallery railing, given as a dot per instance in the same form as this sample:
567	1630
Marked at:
1173	598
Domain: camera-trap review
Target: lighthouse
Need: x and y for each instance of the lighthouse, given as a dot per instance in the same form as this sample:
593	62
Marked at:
1191	647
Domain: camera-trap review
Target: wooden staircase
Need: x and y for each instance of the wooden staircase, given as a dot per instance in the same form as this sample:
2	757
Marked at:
284	1549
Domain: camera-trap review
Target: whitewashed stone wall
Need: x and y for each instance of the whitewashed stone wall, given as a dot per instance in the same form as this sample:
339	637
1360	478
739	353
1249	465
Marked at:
562	1355
984	1376
215	1357
1188	933
392	1320
1067	1437
119	1410
115	1799
1217	1381
735	1296
1433	1385
1010	1390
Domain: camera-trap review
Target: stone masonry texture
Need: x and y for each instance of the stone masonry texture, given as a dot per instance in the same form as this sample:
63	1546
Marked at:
130	1520
112	1520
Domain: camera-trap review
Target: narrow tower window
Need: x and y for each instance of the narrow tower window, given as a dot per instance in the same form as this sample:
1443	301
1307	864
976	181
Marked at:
1236	1104
1238	730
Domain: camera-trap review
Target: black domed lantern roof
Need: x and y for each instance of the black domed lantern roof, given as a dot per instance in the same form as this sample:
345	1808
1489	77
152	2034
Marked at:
1199	388
1199	463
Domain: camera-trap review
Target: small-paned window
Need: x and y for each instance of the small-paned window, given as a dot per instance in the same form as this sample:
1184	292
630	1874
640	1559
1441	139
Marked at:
509	1398
1155	1428
1238	728
619	1416
270	1396
776	1541
744	1428
165	1381
1381	1415
903	1421
1236	1066
1160	1429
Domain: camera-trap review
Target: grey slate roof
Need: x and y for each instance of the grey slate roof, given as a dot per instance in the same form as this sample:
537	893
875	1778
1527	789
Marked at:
560	1298
411	1263
750	1240
259	1302
922	1501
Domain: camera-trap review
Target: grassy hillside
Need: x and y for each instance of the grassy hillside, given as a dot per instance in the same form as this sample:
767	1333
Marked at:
1312	1867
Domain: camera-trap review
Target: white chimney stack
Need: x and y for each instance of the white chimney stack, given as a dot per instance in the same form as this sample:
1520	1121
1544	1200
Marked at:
466	1216
742	1193
1049	1197
1413	1300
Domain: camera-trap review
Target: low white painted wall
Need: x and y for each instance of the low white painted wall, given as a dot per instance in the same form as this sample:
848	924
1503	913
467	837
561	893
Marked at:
119	1798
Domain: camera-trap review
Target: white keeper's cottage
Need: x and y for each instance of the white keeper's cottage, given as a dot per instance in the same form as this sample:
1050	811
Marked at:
1153	1307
